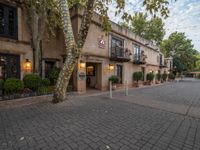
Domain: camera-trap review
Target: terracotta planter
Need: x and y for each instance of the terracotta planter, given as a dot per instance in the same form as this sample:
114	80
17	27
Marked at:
157	82
114	87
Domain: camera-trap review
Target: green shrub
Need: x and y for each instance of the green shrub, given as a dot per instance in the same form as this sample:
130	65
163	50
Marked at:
150	76
45	82
171	76
53	75
114	79
32	81
137	76
198	76
164	76
1	84
45	90
13	85
158	76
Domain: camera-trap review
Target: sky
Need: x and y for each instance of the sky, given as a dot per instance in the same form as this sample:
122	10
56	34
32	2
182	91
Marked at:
184	17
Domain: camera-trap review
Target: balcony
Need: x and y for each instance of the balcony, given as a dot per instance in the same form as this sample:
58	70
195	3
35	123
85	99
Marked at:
120	54
163	65
139	59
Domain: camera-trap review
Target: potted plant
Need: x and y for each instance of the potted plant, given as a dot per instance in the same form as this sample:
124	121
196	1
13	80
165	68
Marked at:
137	76
114	79
164	77
158	78
150	77
171	77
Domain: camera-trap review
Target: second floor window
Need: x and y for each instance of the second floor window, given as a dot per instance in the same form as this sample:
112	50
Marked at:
161	60
117	46
137	52
8	21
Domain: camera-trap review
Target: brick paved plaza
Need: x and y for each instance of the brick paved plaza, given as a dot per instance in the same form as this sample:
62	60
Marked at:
149	118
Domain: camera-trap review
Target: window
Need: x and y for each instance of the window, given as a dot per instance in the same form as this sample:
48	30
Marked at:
116	46
8	21
137	52
9	66
161	59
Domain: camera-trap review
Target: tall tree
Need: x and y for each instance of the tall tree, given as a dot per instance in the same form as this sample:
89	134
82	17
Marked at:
139	24
155	30
152	29
74	47
42	16
181	49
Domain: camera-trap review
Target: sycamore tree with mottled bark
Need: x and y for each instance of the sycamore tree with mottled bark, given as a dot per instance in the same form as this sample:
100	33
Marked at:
74	48
43	16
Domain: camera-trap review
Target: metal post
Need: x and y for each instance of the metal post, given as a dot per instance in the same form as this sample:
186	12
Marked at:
111	90
126	88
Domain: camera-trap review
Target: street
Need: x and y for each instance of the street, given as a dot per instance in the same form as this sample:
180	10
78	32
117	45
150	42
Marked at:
164	117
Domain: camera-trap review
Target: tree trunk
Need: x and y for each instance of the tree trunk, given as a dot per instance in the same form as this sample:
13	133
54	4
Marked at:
73	50
68	66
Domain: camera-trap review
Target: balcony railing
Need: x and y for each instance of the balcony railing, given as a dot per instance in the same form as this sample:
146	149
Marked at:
139	59
120	54
163	65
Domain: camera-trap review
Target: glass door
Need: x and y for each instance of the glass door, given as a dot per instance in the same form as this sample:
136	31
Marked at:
120	73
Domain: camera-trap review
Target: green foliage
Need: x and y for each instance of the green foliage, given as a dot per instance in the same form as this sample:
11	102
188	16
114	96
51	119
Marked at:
158	76
47	11
1	84
32	81
53	76
164	76
45	90
137	76
198	76
171	76
150	76
149	29
114	79
182	50
139	24
13	85
45	82
155	30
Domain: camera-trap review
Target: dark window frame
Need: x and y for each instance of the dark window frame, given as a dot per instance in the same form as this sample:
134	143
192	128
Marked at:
6	9
137	55
114	47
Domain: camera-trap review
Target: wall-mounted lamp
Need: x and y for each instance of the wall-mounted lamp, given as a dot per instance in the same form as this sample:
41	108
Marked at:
82	64
27	66
111	67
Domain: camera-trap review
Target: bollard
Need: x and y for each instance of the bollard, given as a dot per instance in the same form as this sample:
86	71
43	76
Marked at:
126	88
110	89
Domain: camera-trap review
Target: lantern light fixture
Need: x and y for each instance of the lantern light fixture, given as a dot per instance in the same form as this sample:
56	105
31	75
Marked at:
27	65
111	67
82	64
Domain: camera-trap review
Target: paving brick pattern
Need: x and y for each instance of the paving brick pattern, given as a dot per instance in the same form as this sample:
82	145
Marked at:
98	123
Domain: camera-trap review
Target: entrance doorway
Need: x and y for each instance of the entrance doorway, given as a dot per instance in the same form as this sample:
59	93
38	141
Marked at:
9	66
93	76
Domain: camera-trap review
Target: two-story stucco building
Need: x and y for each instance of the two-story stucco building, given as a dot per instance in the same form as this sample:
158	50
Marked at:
120	52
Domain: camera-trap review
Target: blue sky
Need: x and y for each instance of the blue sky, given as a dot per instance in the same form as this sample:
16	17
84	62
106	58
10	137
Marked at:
184	17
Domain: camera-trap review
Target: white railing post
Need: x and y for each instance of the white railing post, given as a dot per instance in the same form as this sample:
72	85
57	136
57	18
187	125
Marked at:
111	90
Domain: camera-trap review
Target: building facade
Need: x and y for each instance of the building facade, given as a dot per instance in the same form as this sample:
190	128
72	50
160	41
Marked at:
119	52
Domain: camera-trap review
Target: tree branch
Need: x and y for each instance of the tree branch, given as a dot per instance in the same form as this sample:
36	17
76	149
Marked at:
85	24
